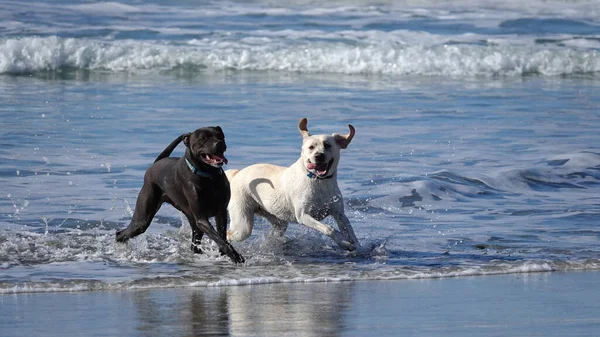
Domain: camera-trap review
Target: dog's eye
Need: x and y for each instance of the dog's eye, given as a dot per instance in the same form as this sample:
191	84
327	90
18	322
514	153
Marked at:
312	147
326	145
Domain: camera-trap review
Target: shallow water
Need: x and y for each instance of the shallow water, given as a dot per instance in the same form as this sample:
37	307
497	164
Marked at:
476	149
525	305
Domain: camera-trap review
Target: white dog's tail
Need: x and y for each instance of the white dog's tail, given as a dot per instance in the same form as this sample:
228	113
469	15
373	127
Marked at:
231	173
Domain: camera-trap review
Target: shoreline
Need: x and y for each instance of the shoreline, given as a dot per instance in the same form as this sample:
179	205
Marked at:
82	285
545	304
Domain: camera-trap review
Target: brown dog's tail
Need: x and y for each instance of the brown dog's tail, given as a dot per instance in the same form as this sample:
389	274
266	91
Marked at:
169	149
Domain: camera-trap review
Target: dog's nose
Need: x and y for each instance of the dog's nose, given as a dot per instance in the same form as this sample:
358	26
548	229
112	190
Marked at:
320	157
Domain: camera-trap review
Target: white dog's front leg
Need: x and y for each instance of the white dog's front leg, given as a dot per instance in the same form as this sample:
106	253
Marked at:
345	227
336	235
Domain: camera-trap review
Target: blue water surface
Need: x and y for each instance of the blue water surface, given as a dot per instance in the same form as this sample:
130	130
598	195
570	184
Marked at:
475	151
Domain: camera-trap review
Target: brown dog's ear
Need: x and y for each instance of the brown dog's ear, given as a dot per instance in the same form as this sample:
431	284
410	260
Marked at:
218	128
343	141
186	139
302	127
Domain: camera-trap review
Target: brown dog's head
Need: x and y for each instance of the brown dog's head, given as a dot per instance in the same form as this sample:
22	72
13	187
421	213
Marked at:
321	153
207	145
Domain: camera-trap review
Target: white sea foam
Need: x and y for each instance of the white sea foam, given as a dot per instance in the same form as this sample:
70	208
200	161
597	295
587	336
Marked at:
88	261
105	8
30	55
76	285
581	160
372	38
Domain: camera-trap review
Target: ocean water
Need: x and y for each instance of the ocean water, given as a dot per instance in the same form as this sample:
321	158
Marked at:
476	149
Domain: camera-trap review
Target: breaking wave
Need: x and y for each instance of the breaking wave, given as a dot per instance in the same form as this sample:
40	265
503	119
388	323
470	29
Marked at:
54	54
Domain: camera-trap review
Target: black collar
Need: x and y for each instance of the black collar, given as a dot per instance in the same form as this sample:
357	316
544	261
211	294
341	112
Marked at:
202	173
312	175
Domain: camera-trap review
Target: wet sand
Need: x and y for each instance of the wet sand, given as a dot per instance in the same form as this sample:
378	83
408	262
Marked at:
540	304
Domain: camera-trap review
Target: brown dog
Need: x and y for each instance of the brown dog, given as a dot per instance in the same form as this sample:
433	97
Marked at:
194	184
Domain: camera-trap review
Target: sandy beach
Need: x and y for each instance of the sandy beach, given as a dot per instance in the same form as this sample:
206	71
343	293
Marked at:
539	304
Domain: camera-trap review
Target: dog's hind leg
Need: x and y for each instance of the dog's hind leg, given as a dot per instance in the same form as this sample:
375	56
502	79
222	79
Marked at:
148	203
279	226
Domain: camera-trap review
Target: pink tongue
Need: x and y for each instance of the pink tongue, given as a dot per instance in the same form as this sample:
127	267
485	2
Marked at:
221	158
313	166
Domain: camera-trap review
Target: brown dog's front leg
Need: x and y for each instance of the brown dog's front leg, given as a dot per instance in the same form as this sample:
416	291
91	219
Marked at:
221	221
225	247
196	236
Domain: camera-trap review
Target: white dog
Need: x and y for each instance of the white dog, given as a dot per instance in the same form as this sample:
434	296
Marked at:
305	192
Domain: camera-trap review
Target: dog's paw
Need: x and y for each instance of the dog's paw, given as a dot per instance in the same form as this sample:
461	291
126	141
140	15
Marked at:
121	236
236	257
232	254
349	246
343	242
196	249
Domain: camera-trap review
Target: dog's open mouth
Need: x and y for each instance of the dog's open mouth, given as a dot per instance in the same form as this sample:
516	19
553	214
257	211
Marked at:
214	159
320	169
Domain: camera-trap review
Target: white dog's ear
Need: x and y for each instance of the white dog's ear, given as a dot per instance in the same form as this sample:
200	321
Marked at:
343	141
302	128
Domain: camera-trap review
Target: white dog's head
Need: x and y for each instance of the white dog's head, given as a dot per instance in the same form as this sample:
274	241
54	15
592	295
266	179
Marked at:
321	153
